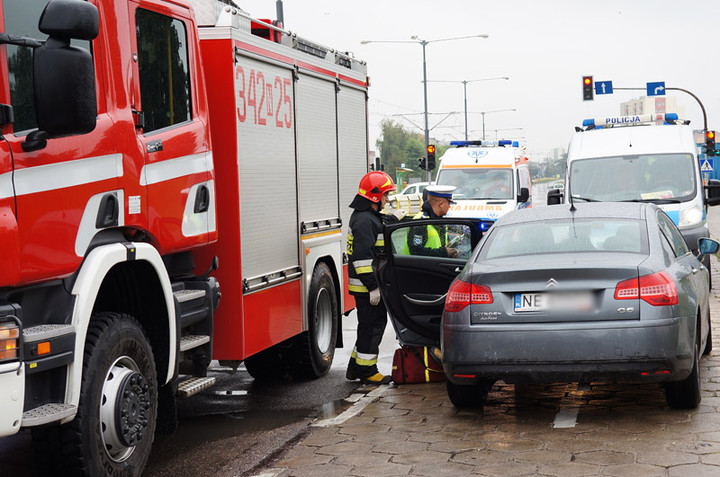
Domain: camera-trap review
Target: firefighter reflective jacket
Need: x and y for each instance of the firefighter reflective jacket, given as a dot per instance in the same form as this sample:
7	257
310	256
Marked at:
364	240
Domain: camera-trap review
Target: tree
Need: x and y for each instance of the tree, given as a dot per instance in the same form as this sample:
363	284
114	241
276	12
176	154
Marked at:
398	146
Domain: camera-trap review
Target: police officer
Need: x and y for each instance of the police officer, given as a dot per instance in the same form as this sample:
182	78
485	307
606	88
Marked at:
432	239
365	239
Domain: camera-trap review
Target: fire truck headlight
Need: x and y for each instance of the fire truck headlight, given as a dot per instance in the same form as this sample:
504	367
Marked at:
690	217
9	341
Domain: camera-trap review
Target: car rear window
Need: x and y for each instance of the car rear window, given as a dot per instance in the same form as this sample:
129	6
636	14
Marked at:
566	236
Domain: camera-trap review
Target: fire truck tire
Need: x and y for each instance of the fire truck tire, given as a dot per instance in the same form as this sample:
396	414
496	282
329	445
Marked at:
113	431
267	365
312	351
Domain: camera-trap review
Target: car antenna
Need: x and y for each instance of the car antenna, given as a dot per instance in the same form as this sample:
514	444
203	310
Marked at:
572	204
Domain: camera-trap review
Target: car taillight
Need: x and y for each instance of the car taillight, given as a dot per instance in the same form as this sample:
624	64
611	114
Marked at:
657	289
462	294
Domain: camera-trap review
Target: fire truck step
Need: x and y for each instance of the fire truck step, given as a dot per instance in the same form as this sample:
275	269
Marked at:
193	341
188	295
46	332
47	413
193	386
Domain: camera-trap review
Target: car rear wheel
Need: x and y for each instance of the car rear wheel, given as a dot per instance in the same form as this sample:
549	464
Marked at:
685	394
469	395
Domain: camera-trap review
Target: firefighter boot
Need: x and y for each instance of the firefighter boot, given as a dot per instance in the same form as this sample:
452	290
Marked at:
350	373
376	378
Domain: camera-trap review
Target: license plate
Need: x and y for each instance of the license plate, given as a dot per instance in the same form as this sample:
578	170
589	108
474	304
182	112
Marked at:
575	301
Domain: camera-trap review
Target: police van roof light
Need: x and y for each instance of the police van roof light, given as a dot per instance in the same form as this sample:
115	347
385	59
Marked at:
505	142
637	119
516	144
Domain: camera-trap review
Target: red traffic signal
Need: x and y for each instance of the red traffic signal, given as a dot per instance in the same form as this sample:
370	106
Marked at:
710	143
430	157
587	88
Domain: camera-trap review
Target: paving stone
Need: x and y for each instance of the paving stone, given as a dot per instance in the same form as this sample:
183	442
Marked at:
573	445
360	429
421	457
516	445
543	457
401	447
444	469
634	470
328	470
324	437
430	437
386	469
466	444
481	457
362	459
695	470
305	460
345	448
667	458
696	446
604	457
508	469
391	436
575	469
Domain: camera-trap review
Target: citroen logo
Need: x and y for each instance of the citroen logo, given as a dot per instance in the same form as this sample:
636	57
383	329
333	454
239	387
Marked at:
551	283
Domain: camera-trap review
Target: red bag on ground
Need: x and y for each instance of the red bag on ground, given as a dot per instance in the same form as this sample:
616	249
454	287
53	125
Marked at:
416	364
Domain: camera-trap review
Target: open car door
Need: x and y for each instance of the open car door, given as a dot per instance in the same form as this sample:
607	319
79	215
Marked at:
413	284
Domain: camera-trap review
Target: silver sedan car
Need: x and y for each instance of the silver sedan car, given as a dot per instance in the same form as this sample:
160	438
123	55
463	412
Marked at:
593	292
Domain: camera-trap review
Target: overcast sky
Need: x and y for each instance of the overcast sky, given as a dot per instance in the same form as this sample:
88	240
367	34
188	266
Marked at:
545	47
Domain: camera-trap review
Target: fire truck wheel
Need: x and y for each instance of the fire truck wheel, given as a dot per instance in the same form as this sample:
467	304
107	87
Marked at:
267	365
114	428
314	349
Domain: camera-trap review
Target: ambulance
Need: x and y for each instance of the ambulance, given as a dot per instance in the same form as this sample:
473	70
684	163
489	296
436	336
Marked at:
491	179
641	158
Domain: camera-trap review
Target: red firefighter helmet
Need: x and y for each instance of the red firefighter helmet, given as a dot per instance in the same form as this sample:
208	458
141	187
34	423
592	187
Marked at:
374	184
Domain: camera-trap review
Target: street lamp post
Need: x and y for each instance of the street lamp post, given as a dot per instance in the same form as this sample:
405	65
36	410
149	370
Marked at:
465	83
424	43
493	111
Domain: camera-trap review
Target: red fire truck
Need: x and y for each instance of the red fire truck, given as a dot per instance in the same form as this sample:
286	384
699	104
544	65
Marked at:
151	157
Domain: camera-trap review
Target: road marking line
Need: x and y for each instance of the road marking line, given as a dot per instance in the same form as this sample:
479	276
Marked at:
569	407
353	410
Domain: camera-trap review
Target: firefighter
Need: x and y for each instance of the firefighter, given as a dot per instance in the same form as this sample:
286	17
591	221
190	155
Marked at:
432	239
364	240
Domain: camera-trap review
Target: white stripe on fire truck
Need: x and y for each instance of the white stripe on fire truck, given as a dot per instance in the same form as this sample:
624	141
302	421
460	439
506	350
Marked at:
31	180
6	187
175	168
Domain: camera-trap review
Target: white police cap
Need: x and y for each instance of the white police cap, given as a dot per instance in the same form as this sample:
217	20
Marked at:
444	191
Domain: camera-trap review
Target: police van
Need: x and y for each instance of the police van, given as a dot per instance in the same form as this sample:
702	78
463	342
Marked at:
491	179
641	158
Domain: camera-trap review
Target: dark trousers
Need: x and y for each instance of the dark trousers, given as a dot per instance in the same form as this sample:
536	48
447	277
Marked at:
371	326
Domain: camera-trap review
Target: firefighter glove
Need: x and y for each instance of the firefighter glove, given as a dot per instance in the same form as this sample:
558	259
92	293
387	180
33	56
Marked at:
375	297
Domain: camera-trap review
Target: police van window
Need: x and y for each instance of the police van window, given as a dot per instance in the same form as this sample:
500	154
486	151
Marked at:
21	18
164	70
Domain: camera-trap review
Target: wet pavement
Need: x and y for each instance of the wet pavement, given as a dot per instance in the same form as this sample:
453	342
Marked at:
548	430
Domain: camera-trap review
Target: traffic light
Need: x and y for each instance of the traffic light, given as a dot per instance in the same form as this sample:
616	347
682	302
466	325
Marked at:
430	157
710	143
422	163
588	88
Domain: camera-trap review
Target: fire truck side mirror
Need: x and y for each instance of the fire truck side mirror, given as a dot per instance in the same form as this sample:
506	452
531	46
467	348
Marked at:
64	76
554	197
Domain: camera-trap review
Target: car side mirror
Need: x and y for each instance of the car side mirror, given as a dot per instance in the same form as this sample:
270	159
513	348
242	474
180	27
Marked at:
63	75
707	246
713	192
524	194
554	197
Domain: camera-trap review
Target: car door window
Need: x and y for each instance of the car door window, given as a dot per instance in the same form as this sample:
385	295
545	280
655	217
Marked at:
672	234
423	241
163	68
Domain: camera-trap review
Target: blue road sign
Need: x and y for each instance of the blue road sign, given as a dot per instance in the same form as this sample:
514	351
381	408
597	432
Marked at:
706	165
656	89
603	87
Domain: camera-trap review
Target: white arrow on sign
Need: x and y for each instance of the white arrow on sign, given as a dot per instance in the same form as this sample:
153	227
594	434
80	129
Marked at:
658	90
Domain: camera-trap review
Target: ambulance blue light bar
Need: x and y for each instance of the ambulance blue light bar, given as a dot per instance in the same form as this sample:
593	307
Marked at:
503	142
629	120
